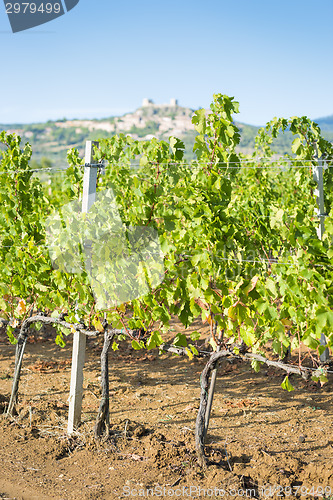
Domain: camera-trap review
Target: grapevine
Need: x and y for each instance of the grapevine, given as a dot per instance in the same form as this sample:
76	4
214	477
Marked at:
228	238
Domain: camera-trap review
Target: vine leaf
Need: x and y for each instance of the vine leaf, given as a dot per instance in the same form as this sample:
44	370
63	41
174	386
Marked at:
287	385
21	308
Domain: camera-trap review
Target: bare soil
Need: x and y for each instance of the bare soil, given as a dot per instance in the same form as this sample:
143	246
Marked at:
259	434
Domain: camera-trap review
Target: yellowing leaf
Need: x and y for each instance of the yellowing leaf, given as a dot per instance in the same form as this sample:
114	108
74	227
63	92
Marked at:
194	350
201	304
241	280
122	307
98	325
287	322
189	353
21	308
115	346
205	316
232	312
251	286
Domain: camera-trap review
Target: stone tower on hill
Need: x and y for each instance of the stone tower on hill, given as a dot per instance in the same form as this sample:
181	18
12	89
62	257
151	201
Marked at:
149	102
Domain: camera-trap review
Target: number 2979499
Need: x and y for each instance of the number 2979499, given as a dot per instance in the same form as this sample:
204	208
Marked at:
33	8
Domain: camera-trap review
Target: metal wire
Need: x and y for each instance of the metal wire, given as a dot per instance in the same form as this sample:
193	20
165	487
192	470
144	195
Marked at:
8	172
226	259
270	261
237	165
224	165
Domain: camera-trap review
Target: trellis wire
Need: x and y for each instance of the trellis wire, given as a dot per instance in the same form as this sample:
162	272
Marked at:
269	261
303	164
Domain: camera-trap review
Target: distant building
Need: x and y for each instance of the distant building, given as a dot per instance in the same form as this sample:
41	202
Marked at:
149	102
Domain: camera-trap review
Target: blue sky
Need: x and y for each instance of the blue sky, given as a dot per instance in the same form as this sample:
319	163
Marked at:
103	57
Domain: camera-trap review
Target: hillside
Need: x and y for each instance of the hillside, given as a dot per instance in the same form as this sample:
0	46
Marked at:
326	123
51	140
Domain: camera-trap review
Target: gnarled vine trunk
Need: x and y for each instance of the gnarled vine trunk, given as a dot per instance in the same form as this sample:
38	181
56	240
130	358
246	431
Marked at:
200	426
20	347
102	424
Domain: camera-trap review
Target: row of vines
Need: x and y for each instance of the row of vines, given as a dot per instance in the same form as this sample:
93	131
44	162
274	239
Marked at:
227	237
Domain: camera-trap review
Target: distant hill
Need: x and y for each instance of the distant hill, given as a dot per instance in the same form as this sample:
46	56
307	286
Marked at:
52	139
325	123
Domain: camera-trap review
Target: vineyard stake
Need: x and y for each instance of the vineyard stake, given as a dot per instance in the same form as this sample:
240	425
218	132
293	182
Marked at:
79	339
319	192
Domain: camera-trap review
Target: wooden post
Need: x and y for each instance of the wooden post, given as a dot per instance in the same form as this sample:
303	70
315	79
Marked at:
319	192
79	339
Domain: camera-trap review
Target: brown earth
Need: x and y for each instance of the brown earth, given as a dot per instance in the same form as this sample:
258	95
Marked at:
259	434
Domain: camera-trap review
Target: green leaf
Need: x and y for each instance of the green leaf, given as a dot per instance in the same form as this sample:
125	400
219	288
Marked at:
311	341
261	306
248	336
195	336
177	147
138	345
195	308
296	146
321	378
287	385
199	120
277	218
11	337
180	340
155	340
256	365
271	286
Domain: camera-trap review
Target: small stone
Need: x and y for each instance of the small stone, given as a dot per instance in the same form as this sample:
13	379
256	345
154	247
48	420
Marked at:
301	439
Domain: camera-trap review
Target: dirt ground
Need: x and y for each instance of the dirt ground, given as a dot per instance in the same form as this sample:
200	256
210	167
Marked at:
263	442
